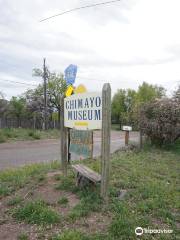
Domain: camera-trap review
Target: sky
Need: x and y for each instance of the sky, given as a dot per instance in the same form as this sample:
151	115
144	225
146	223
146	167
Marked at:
123	43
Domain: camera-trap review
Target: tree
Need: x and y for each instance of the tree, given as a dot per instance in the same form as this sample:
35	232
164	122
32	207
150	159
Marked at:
17	108
176	94
148	92
122	106
126	103
160	120
56	86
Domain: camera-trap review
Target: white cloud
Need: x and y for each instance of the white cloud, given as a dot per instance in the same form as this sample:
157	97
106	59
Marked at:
126	43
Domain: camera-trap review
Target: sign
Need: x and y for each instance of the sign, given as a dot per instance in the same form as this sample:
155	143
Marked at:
70	74
80	89
127	128
81	143
83	111
69	91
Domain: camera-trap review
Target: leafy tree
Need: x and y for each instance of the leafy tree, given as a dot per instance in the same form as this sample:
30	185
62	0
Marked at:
160	120
122	106
126	103
17	108
176	94
148	92
56	87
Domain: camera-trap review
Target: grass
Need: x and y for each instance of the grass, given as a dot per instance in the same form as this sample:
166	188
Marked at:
13	179
63	201
13	134
37	212
151	178
23	236
14	201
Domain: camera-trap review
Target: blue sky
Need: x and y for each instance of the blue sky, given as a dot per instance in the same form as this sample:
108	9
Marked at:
124	43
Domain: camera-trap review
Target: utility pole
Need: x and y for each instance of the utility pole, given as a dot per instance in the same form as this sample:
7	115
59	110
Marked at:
45	94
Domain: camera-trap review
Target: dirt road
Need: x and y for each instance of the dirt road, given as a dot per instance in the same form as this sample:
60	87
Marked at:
26	152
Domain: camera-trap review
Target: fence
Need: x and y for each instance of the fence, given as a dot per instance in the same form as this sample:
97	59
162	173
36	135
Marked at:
27	123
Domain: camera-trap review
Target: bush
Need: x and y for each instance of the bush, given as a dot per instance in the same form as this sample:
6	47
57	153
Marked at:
160	121
2	138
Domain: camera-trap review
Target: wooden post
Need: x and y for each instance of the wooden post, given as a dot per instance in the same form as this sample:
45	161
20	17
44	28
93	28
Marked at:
63	133
105	140
126	138
140	138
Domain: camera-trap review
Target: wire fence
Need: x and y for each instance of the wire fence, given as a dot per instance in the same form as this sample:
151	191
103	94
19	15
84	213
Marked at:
31	123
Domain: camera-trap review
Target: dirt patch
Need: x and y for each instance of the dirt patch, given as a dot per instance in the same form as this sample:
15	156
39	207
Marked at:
45	190
95	223
11	231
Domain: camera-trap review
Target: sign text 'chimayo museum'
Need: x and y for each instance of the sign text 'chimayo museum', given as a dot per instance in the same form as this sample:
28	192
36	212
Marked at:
83	111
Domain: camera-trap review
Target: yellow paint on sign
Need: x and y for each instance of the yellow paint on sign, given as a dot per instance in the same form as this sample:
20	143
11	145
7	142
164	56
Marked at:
80	89
81	124
69	91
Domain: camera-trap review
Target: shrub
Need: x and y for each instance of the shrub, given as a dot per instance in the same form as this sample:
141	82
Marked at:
160	121
2	138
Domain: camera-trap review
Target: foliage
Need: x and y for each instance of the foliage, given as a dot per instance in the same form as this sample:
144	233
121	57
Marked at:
160	120
56	87
126	103
63	201
10	134
17	107
37	212
147	92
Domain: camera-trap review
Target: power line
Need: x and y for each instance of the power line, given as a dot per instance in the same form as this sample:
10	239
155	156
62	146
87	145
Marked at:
78	8
16	82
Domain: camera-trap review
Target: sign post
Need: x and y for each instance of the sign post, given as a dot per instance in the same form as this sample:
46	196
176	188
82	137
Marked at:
64	131
87	111
127	129
105	140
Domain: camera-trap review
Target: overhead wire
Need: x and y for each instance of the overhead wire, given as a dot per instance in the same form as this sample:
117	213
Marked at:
16	82
78	8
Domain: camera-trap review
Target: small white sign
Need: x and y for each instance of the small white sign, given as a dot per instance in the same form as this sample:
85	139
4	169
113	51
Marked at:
83	111
127	128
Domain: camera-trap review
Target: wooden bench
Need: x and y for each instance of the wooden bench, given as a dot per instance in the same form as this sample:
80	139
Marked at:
85	175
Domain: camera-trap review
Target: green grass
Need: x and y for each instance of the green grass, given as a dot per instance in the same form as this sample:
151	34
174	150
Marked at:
23	236
37	212
14	201
12	179
13	134
151	178
63	201
90	201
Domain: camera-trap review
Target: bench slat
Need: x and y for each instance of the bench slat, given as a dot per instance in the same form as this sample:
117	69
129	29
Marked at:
87	172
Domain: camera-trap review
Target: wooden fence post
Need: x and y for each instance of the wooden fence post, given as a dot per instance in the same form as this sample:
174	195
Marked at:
105	139
63	136
140	138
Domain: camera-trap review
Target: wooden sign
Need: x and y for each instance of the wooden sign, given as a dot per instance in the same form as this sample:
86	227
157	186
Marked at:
81	143
83	111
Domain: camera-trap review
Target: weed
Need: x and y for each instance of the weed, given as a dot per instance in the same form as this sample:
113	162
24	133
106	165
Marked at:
63	201
70	235
23	236
2	138
5	189
36	213
90	201
14	201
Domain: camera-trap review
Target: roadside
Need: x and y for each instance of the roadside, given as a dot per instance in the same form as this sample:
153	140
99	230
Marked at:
19	153
21	134
61	211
